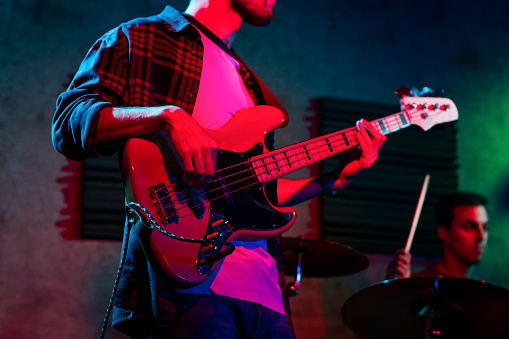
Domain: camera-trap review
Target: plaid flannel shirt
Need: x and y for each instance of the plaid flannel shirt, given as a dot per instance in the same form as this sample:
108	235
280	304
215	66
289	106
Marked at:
152	61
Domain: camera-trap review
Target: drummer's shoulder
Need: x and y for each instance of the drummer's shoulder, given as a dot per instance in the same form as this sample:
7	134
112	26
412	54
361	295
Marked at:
430	271
436	271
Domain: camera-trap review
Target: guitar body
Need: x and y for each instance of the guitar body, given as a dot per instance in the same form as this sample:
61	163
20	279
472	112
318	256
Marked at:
233	205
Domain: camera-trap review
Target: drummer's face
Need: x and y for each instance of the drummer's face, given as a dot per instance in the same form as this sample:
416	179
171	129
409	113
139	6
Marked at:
466	239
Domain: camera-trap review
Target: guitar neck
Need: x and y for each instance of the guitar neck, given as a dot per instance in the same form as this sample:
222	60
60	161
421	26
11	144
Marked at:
275	164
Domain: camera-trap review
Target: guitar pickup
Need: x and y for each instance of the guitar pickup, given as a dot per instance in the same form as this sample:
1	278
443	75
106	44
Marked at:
163	203
193	201
224	188
218	229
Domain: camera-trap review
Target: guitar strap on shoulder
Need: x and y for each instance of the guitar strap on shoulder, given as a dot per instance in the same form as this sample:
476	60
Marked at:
208	33
268	96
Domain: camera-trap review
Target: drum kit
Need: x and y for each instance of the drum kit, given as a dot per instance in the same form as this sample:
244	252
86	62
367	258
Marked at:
318	258
410	308
420	308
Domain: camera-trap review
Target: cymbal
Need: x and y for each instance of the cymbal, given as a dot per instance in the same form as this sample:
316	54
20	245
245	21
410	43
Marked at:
407	308
321	258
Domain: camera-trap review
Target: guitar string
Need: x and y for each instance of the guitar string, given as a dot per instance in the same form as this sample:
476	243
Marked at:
393	122
178	210
392	119
390	126
300	155
337	142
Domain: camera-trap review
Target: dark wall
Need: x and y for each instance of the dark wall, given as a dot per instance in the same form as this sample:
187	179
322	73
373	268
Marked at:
53	287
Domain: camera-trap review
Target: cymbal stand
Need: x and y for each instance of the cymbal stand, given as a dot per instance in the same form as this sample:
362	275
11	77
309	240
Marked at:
294	288
431	331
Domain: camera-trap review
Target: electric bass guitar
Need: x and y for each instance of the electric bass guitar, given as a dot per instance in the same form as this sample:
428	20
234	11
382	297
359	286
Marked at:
194	227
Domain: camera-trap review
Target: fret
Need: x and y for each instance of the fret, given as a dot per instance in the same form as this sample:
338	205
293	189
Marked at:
329	145
307	152
265	165
324	149
345	139
275	164
318	150
271	168
403	118
258	167
392	123
382	127
287	159
399	120
282	163
293	156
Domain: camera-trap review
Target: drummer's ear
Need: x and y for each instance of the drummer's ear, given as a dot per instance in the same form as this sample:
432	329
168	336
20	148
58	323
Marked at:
443	233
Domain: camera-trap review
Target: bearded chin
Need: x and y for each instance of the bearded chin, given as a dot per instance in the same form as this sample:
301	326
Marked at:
259	21
252	16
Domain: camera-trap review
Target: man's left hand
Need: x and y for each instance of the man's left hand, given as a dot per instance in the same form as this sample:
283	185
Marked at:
359	158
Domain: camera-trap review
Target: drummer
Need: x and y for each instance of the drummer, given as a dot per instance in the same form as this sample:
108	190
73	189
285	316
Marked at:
462	226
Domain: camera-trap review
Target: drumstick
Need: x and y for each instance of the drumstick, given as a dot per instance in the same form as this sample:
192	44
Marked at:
417	213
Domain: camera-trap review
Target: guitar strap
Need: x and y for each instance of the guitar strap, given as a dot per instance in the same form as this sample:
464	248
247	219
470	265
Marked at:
268	96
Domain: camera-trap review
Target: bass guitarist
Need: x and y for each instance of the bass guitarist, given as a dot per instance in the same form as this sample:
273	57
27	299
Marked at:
177	73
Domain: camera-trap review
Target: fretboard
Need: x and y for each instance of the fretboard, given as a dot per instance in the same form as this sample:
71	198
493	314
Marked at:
275	164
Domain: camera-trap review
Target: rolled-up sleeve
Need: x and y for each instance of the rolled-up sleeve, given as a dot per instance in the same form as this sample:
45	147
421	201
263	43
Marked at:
99	83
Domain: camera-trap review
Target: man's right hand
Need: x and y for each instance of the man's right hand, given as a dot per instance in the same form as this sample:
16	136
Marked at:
400	266
195	148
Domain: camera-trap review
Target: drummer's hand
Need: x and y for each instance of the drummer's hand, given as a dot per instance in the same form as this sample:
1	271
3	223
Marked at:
400	266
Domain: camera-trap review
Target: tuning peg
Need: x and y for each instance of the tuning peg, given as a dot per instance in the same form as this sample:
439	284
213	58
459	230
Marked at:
426	91
430	92
416	92
403	92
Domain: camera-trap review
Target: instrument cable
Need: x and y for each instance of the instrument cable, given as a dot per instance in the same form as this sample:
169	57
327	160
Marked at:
133	209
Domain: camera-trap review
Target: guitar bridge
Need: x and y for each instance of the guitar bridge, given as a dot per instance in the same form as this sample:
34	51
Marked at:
219	230
163	203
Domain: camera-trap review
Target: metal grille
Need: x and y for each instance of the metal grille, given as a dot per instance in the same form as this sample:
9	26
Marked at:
374	213
102	210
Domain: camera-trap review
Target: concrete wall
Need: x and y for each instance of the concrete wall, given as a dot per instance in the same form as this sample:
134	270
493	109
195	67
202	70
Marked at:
54	287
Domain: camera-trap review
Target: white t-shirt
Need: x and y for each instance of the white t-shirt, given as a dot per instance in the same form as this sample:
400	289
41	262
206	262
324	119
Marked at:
250	272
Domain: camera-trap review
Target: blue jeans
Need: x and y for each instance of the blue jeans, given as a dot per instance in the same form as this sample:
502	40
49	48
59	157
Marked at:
214	316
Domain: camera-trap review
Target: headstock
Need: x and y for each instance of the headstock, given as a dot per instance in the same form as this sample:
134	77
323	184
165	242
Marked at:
427	112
